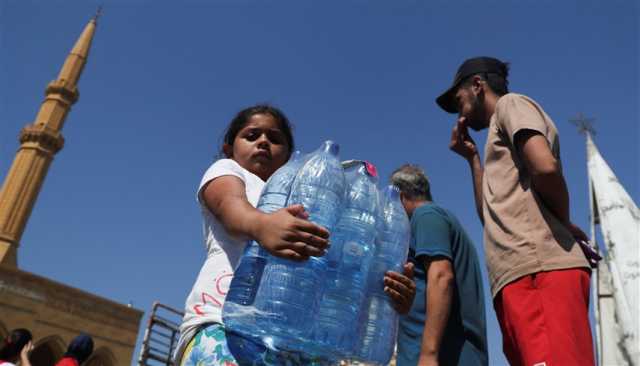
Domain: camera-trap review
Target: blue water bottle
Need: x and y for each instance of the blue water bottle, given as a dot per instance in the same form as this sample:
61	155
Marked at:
348	262
238	313
288	294
379	321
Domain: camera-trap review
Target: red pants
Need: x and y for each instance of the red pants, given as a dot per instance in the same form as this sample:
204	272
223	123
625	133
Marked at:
544	319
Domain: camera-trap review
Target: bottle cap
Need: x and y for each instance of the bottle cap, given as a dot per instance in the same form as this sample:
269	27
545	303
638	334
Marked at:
295	155
331	148
362	166
371	169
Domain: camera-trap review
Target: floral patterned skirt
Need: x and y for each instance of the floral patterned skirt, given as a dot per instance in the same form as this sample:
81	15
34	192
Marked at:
214	346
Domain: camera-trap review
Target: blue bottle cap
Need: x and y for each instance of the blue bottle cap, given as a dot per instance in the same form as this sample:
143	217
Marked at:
295	155
331	147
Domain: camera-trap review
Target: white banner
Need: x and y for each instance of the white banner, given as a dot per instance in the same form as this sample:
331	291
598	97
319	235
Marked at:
620	225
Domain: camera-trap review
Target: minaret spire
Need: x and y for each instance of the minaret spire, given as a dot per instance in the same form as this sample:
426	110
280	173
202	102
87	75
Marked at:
98	14
39	142
72	68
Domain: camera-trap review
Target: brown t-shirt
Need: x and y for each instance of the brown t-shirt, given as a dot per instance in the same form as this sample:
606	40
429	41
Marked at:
521	236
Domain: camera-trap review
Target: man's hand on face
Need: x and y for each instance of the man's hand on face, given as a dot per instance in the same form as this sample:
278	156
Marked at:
461	143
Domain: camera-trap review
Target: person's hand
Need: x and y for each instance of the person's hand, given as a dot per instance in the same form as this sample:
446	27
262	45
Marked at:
24	353
577	233
287	233
592	255
401	288
461	143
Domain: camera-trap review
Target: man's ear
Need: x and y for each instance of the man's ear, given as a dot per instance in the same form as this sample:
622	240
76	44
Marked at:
403	197
406	204
227	150
477	84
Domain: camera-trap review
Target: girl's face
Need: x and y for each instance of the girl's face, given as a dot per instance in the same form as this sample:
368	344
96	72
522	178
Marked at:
260	146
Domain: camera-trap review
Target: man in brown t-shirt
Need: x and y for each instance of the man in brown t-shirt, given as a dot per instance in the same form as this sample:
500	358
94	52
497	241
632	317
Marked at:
537	269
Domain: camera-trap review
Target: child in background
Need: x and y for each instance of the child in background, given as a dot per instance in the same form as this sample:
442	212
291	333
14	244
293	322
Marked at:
78	351
16	348
257	142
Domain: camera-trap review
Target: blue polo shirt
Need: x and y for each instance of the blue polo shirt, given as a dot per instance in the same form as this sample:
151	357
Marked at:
436	232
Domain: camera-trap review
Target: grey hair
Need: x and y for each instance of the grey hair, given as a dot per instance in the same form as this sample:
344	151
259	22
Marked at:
412	181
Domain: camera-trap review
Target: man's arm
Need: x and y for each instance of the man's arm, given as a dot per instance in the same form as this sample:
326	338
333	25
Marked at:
476	175
462	144
546	177
544	169
439	294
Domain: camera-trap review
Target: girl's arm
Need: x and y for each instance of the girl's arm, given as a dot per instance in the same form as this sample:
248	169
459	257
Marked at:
283	233
24	354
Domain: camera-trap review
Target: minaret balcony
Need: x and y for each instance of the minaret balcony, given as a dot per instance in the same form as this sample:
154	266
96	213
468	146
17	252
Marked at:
62	87
45	138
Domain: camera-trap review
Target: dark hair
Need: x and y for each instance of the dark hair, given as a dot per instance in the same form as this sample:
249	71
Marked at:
242	118
80	348
412	181
14	343
498	83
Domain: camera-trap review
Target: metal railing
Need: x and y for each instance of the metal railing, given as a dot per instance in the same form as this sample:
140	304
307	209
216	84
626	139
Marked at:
160	336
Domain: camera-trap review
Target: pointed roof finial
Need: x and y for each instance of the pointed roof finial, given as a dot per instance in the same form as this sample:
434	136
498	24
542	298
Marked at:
584	124
77	58
98	14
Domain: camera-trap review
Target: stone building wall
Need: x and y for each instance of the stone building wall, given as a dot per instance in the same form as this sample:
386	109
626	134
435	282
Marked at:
55	313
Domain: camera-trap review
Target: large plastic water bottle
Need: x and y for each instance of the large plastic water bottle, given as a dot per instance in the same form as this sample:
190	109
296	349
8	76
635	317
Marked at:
348	262
379	321
238	313
289	291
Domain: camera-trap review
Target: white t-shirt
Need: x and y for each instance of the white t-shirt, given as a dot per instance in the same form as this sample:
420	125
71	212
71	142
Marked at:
204	303
5	363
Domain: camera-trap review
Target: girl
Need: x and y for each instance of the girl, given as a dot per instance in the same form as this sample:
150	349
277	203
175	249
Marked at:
16	348
78	351
257	142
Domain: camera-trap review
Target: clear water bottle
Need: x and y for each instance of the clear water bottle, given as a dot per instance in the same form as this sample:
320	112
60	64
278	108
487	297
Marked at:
238	313
348	262
289	292
379	320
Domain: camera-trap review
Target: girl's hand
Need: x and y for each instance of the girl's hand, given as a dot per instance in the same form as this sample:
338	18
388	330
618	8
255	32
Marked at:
24	353
401	288
287	234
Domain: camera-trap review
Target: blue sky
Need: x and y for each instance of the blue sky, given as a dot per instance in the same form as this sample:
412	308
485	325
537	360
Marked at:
117	215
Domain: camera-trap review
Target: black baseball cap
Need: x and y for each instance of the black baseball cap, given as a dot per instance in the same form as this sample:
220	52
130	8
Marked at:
472	66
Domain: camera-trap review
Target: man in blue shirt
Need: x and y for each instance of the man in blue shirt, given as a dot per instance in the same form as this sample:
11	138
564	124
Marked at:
446	324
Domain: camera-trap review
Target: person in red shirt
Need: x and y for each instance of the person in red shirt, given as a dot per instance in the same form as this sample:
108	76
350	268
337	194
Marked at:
78	351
